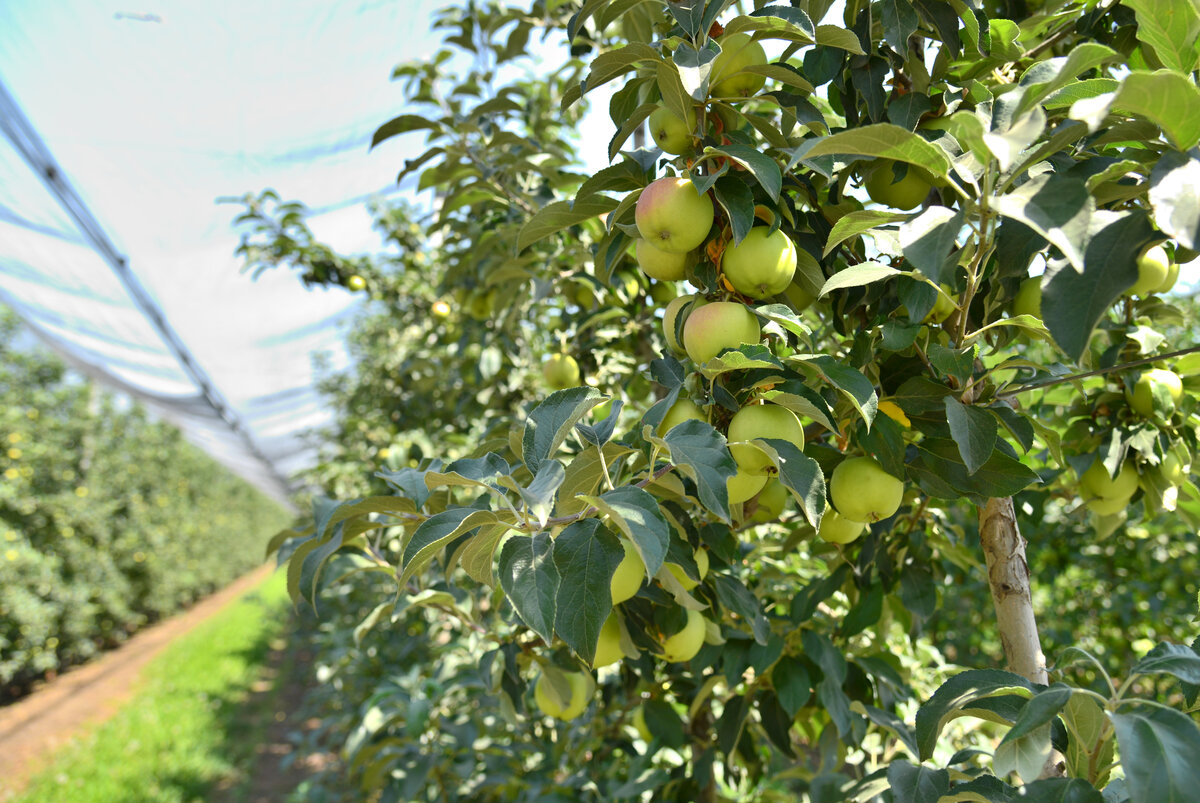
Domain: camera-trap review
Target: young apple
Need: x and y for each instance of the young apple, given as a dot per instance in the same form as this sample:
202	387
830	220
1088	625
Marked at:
738	51
671	132
673	215
715	327
863	492
761	421
761	265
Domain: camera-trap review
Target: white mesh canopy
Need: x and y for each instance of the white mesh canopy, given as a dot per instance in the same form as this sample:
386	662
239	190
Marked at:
122	126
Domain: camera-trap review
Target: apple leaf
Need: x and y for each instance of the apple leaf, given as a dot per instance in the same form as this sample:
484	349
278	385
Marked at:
1167	99
586	555
736	198
850	382
1057	207
530	578
434	533
699	451
1170	29
1025	755
560	215
1171	659
884	141
941	473
694	67
1048	76
792	684
402	125
636	513
478	555
858	275
900	21
1175	196
859	222
762	167
1158	753
913	784
928	240
551	422
801	475
958	693
974	430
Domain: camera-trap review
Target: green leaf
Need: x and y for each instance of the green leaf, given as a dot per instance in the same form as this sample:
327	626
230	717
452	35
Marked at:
559	215
700	452
850	382
670	86
538	496
958	693
792	684
1025	755
801	475
694	67
782	315
1009	145
530	578
615	63
434	533
913	784
763	168
1061	790
858	275
1167	99
478	555
859	222
1169	28
1159	747
884	141
402	125
737	200
1170	659
1073	302
551	422
941	473
585	555
1041	709
900	21
1175	196
974	430
1047	76
637	515
1057	207
929	239
737	598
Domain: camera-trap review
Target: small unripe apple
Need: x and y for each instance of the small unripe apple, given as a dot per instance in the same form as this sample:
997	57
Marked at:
681	305
682	410
673	215
762	421
549	705
862	491
799	298
663	292
684	645
666	266
907	193
715	327
671	132
738	51
837	529
771	501
761	265
441	309
701	558
1028	300
608	648
1153	267
356	283
627	579
481	303
743	485
943	307
1156	382
560	372
1107	495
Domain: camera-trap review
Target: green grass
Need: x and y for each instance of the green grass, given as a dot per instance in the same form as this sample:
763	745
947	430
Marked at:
185	730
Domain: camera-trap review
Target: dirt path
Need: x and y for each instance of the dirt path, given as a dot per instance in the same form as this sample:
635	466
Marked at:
34	727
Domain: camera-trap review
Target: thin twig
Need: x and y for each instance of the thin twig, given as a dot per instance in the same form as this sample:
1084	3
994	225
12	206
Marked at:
1098	372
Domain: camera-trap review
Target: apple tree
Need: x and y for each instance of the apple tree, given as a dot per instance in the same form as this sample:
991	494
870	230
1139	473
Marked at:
930	248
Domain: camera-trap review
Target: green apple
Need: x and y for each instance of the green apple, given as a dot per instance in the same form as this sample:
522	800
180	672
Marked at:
738	51
1028	300
583	295
1157	383
682	410
684	645
671	132
549	703
743	485
481	303
1107	495
663	292
1153	268
771	501
907	193
440	309
761	421
943	307
1169	283
761	265
715	327
863	492
627	579
837	529
679	306
666	266
608	648
701	558
799	298
673	215
356	283
561	371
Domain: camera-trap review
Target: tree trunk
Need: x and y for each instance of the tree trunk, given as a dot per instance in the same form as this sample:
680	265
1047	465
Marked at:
1008	577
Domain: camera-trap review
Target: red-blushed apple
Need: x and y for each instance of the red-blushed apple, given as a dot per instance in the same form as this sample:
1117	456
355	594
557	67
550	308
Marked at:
761	421
862	491
671	132
666	266
761	265
715	327
673	215
738	51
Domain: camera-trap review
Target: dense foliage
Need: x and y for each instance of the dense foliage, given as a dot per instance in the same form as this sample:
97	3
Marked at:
963	223
108	519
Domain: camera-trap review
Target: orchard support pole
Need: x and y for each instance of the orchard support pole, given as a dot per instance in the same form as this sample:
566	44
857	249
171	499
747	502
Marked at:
1008	578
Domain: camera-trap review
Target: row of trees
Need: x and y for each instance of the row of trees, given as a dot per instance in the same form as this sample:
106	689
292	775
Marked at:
108	519
930	249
